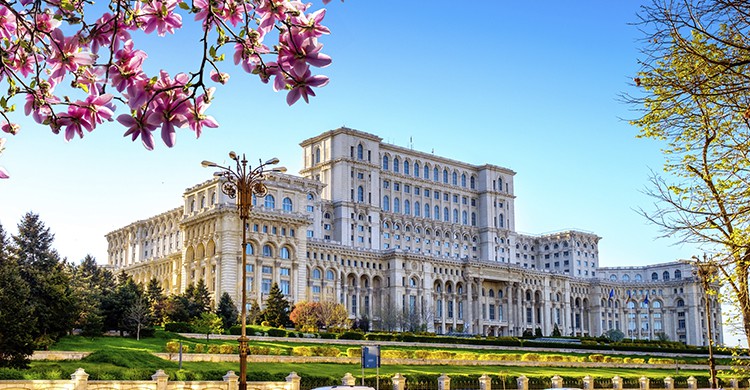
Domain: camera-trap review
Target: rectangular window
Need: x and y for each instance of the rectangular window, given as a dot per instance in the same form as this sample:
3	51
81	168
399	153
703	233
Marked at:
266	286
492	312
267	269
316	289
310	234
386	184
427	192
284	287
285	272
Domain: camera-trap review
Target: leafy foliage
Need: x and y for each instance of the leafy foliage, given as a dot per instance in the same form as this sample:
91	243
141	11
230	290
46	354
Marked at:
227	311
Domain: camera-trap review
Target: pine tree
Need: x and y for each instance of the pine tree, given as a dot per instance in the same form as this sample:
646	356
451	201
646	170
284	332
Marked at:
50	296
16	317
277	308
156	300
227	311
91	283
255	315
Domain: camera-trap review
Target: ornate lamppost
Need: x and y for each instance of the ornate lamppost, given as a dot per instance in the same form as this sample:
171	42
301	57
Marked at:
705	270
242	183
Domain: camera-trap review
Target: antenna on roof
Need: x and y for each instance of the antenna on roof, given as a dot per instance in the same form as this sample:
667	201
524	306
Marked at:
411	143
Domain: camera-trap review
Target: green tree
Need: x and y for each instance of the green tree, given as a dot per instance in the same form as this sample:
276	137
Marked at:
694	97
306	316
255	314
17	321
176	309
208	323
50	296
538	332
199	299
117	304
156	300
556	332
227	311
614	335
277	307
91	283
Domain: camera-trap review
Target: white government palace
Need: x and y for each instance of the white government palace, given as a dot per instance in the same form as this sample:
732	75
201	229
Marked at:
386	229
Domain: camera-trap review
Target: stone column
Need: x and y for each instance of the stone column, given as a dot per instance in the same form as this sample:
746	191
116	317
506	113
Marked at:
617	383
469	307
485	382
294	379
557	382
669	383
444	382
644	383
734	383
348	380
692	383
522	382
231	378
80	379
588	382
399	382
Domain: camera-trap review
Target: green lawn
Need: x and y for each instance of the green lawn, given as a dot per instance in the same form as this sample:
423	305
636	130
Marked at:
126	358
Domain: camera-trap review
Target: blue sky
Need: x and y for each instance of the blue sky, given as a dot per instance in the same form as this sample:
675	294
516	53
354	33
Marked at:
532	86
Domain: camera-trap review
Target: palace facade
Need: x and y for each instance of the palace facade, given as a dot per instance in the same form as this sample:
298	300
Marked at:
407	239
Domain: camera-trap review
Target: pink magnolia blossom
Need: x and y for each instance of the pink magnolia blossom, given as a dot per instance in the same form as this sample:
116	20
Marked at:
198	118
10	128
137	127
220	78
299	51
8	24
74	121
302	86
160	16
66	56
46	22
311	24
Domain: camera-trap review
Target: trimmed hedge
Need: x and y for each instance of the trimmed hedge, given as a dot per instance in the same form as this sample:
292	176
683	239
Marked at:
178	327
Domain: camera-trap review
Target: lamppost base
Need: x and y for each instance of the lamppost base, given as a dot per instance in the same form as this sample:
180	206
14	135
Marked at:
243	361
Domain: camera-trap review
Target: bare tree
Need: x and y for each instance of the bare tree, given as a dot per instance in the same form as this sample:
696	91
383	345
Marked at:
138	316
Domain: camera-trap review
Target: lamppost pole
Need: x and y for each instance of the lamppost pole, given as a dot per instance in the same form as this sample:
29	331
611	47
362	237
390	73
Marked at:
705	271
241	183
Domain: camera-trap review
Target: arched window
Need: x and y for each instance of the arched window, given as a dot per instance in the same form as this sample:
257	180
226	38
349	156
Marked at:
395	164
435	174
500	183
310	196
437	213
638	278
426	172
677	274
665	275
502	220
455	178
286	204
329	275
316	274
267	251
626	278
360	152
284	252
385	163
445	176
417	210
446	215
213	198
473	219
427	210
631	305
656	304
492	293
317	155
613	277
407	207
360	194
472	182
644	304
455	215
654	276
406	167
386	203
192	205
396	205
203	201
270	202
412	282
416	169
249	249
463	180
680	303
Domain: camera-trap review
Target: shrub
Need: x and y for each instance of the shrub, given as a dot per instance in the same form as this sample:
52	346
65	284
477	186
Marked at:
213	348
228	349
354	352
394	354
200	348
465	356
328	335
596	358
351	336
258	350
178	327
530	357
276	332
301	351
173	346
265	324
7	374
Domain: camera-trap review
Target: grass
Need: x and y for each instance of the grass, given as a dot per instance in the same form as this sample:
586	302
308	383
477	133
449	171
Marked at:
129	359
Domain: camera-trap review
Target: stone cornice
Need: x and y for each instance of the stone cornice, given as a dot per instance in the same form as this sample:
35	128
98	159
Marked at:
340	130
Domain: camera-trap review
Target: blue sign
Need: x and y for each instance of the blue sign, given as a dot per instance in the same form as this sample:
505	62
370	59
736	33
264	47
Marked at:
371	356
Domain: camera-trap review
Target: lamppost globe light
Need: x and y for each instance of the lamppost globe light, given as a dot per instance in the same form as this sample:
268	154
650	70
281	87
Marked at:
279	170
233	155
272	161
206	164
